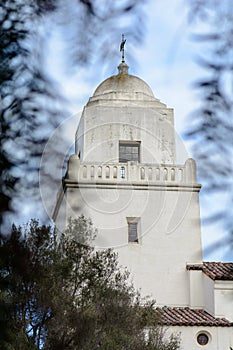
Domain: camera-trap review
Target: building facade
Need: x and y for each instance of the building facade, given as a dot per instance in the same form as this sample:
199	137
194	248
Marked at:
124	176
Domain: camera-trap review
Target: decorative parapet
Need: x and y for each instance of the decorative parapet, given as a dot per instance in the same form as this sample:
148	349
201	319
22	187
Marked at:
131	172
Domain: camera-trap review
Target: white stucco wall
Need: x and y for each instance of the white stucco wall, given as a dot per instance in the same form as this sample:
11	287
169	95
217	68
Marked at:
220	338
209	298
201	291
223	294
196	289
106	125
170	235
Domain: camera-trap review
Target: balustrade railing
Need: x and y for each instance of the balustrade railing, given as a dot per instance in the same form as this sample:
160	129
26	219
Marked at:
133	171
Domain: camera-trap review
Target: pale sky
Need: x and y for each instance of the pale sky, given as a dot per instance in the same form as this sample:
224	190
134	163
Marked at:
166	61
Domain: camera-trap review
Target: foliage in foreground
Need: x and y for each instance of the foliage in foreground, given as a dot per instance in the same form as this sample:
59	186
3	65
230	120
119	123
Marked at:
31	104
66	295
211	123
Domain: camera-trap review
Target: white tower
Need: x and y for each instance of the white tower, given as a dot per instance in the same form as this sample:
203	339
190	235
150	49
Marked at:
124	176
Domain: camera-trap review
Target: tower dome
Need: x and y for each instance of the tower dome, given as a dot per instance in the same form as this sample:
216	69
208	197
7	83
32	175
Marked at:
123	86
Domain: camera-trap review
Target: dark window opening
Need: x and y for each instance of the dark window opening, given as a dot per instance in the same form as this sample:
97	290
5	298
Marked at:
122	172
129	151
133	232
202	339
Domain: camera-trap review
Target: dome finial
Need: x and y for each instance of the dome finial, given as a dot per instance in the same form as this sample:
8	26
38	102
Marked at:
122	48
123	68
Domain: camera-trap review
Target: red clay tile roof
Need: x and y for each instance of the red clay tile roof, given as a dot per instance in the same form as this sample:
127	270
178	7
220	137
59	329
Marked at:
184	316
215	270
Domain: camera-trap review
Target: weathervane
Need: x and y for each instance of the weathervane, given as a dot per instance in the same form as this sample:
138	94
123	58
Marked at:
122	48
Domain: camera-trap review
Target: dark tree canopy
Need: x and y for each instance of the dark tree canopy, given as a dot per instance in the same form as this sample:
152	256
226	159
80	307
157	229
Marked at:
67	296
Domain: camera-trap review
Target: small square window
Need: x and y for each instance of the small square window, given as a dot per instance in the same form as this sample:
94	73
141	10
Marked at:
129	151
